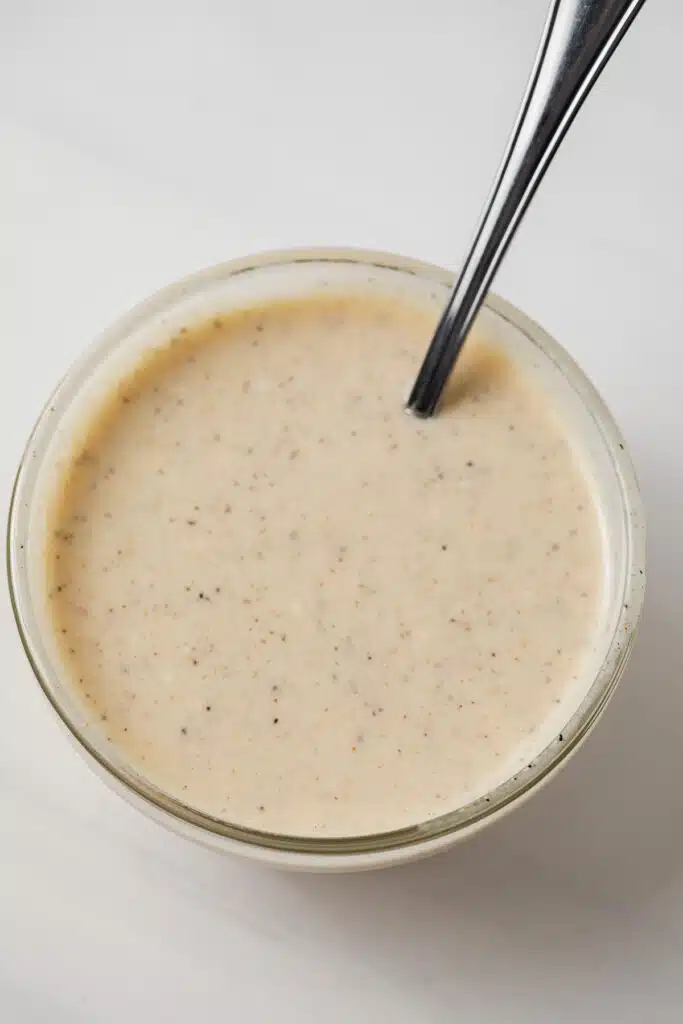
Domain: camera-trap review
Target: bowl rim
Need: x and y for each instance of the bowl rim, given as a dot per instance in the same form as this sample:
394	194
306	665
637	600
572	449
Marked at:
310	851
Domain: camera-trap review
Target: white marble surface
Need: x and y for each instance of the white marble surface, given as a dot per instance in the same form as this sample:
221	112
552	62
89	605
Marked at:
141	140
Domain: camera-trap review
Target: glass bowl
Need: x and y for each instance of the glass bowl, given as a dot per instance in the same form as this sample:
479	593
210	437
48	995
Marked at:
262	278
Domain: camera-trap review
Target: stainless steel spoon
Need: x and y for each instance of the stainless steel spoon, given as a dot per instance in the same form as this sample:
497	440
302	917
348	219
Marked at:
579	38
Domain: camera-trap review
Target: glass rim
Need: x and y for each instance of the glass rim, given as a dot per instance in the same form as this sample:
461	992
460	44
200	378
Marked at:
437	830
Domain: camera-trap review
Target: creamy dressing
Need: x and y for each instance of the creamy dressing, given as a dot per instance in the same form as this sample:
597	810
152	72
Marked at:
295	608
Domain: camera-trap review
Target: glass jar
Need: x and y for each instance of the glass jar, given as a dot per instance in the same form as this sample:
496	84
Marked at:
260	279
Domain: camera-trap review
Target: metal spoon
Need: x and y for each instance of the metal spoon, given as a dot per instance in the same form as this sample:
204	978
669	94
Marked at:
579	38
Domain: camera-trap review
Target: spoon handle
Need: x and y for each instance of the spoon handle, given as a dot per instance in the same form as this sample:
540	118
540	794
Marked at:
579	38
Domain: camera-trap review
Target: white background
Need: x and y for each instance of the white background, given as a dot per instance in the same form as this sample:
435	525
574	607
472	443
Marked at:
141	141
